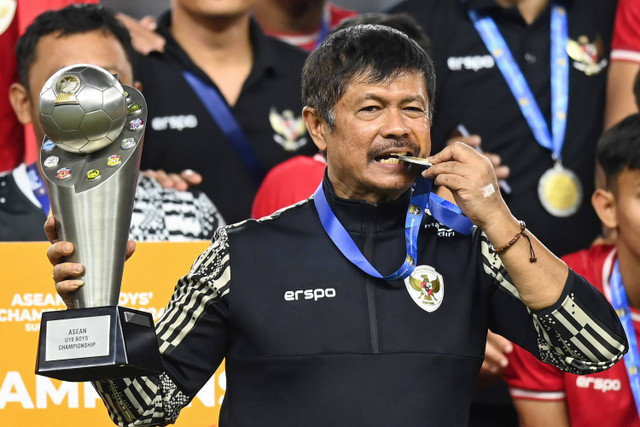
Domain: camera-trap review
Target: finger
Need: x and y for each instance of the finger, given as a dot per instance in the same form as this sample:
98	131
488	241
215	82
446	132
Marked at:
58	251
473	140
495	356
144	41
495	159
502	172
149	22
489	368
151	174
458	151
67	270
131	247
500	342
50	229
177	182
163	178
67	289
191	177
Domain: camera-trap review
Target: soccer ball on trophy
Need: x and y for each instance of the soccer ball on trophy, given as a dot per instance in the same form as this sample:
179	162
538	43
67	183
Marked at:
82	108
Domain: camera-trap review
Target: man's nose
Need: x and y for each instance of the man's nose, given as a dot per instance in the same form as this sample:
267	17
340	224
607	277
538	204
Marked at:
394	124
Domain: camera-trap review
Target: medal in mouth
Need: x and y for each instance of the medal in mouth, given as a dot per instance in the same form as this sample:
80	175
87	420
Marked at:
409	159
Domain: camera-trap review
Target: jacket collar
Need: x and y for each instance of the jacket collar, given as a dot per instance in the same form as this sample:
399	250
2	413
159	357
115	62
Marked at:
362	216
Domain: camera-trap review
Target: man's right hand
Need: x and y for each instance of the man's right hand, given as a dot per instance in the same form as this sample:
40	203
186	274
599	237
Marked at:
66	274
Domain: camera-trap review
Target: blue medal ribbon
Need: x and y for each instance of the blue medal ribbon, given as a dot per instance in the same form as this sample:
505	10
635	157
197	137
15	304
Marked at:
38	188
498	48
620	303
222	115
421	199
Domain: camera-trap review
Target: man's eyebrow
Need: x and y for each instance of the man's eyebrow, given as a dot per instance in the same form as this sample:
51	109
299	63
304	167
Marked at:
375	97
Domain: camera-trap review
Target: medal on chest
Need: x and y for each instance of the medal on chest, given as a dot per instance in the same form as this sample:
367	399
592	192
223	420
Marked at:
426	287
560	191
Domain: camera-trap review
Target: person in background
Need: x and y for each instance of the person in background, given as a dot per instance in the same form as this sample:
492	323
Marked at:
313	335
224	101
302	23
625	63
14	18
86	34
545	396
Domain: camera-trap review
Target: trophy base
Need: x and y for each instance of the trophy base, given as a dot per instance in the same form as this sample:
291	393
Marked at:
97	343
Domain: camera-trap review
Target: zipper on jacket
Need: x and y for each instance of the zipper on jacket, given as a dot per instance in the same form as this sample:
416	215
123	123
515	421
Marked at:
369	243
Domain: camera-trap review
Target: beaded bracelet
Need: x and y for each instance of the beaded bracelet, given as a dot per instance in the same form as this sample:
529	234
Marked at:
523	227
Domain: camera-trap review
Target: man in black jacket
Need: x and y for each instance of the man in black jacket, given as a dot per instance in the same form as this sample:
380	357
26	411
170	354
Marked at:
361	306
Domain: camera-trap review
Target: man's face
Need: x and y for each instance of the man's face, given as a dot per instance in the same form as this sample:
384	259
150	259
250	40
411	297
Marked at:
215	8
627	202
53	53
373	121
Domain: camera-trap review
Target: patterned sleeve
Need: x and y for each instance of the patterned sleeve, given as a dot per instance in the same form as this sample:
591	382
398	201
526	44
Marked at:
580	333
198	299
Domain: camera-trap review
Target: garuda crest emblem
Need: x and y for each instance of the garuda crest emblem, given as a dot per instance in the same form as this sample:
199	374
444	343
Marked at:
426	287
291	132
588	56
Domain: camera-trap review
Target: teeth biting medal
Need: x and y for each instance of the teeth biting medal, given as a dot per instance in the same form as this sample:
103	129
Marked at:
413	160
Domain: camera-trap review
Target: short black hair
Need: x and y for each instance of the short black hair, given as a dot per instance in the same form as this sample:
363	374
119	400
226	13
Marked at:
73	19
376	52
619	149
400	21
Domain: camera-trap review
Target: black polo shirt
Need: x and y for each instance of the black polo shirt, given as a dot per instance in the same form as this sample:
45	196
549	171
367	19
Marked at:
182	135
472	91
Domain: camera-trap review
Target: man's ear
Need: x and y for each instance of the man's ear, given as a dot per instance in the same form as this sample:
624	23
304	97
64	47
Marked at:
21	103
316	127
604	203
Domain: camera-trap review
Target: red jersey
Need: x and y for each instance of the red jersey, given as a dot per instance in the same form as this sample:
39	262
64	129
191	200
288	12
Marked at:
287	183
603	399
625	45
332	14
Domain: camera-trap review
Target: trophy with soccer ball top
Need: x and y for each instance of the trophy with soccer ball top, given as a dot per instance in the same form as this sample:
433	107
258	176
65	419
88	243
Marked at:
90	160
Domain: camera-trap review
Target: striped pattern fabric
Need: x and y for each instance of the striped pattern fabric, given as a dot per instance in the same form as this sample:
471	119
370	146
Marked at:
568	337
157	401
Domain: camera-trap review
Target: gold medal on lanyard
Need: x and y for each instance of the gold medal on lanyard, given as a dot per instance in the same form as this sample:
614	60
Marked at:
560	191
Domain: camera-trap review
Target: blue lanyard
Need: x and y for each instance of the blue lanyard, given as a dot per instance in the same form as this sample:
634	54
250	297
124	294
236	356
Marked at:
326	24
421	199
496	44
220	112
631	358
38	188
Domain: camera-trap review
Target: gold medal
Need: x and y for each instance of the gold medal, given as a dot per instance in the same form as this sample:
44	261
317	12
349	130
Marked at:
560	191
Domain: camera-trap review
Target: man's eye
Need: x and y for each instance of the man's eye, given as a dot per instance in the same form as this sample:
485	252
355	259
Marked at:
370	108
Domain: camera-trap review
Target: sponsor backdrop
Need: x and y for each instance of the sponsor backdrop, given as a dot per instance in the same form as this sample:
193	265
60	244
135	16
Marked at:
26	291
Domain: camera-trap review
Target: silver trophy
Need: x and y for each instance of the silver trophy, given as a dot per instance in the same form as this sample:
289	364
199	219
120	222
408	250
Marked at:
90	160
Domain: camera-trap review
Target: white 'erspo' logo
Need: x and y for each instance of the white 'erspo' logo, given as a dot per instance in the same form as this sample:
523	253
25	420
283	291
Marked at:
174	122
602	384
309	294
475	63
